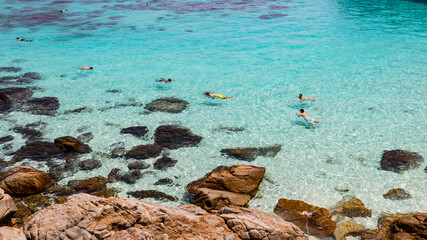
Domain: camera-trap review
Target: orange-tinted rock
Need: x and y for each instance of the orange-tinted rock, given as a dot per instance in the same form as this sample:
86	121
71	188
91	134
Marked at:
399	160
93	184
7	206
347	228
210	199
397	194
253	224
238	179
317	219
351	206
67	144
399	227
87	217
25	180
10	233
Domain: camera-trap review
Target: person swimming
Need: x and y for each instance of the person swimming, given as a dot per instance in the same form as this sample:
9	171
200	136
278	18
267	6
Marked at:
307	118
63	11
301	98
165	80
23	40
213	95
85	68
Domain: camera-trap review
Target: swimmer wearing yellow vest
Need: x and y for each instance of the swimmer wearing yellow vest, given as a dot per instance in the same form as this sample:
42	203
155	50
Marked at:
213	95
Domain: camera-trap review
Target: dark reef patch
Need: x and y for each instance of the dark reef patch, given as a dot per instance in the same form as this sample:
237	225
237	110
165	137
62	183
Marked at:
271	16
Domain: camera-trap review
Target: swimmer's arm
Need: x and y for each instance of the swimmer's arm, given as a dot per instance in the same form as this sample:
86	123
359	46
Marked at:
298	115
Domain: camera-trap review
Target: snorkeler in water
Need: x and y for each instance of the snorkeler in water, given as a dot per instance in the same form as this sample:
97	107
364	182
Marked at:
213	95
307	118
301	98
23	40
164	80
85	68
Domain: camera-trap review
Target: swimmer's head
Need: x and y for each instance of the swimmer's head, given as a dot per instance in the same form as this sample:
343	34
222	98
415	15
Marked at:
169	80
206	93
301	110
17	38
300	95
91	68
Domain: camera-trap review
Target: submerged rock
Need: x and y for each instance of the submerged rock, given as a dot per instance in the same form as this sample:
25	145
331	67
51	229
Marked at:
90	164
3	97
90	185
85	137
131	176
144	151
5	139
10	69
79	110
174	137
351	206
70	144
43	106
25	180
399	160
397	194
137	131
169	104
164	162
164	181
88	217
250	154
317	219
228	129
44	151
118	152
151	194
28	132
138	165
32	75
347	228
237	179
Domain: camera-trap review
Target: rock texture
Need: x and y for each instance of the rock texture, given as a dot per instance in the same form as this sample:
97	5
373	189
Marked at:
397	194
10	233
210	199
317	219
88	217
238	178
254	224
25	180
169	104
144	151
90	164
399	227
399	160
43	106
137	131
351	206
44	151
347	228
7	206
164	162
173	137
250	154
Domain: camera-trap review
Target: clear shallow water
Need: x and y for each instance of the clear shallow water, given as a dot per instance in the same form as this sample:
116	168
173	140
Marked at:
366	63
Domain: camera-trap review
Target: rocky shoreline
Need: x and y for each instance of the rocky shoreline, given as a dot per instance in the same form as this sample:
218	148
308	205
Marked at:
34	206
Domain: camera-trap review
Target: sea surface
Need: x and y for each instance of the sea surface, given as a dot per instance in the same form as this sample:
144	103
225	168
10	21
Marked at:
365	61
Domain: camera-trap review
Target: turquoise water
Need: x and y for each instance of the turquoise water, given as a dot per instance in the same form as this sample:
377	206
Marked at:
365	61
